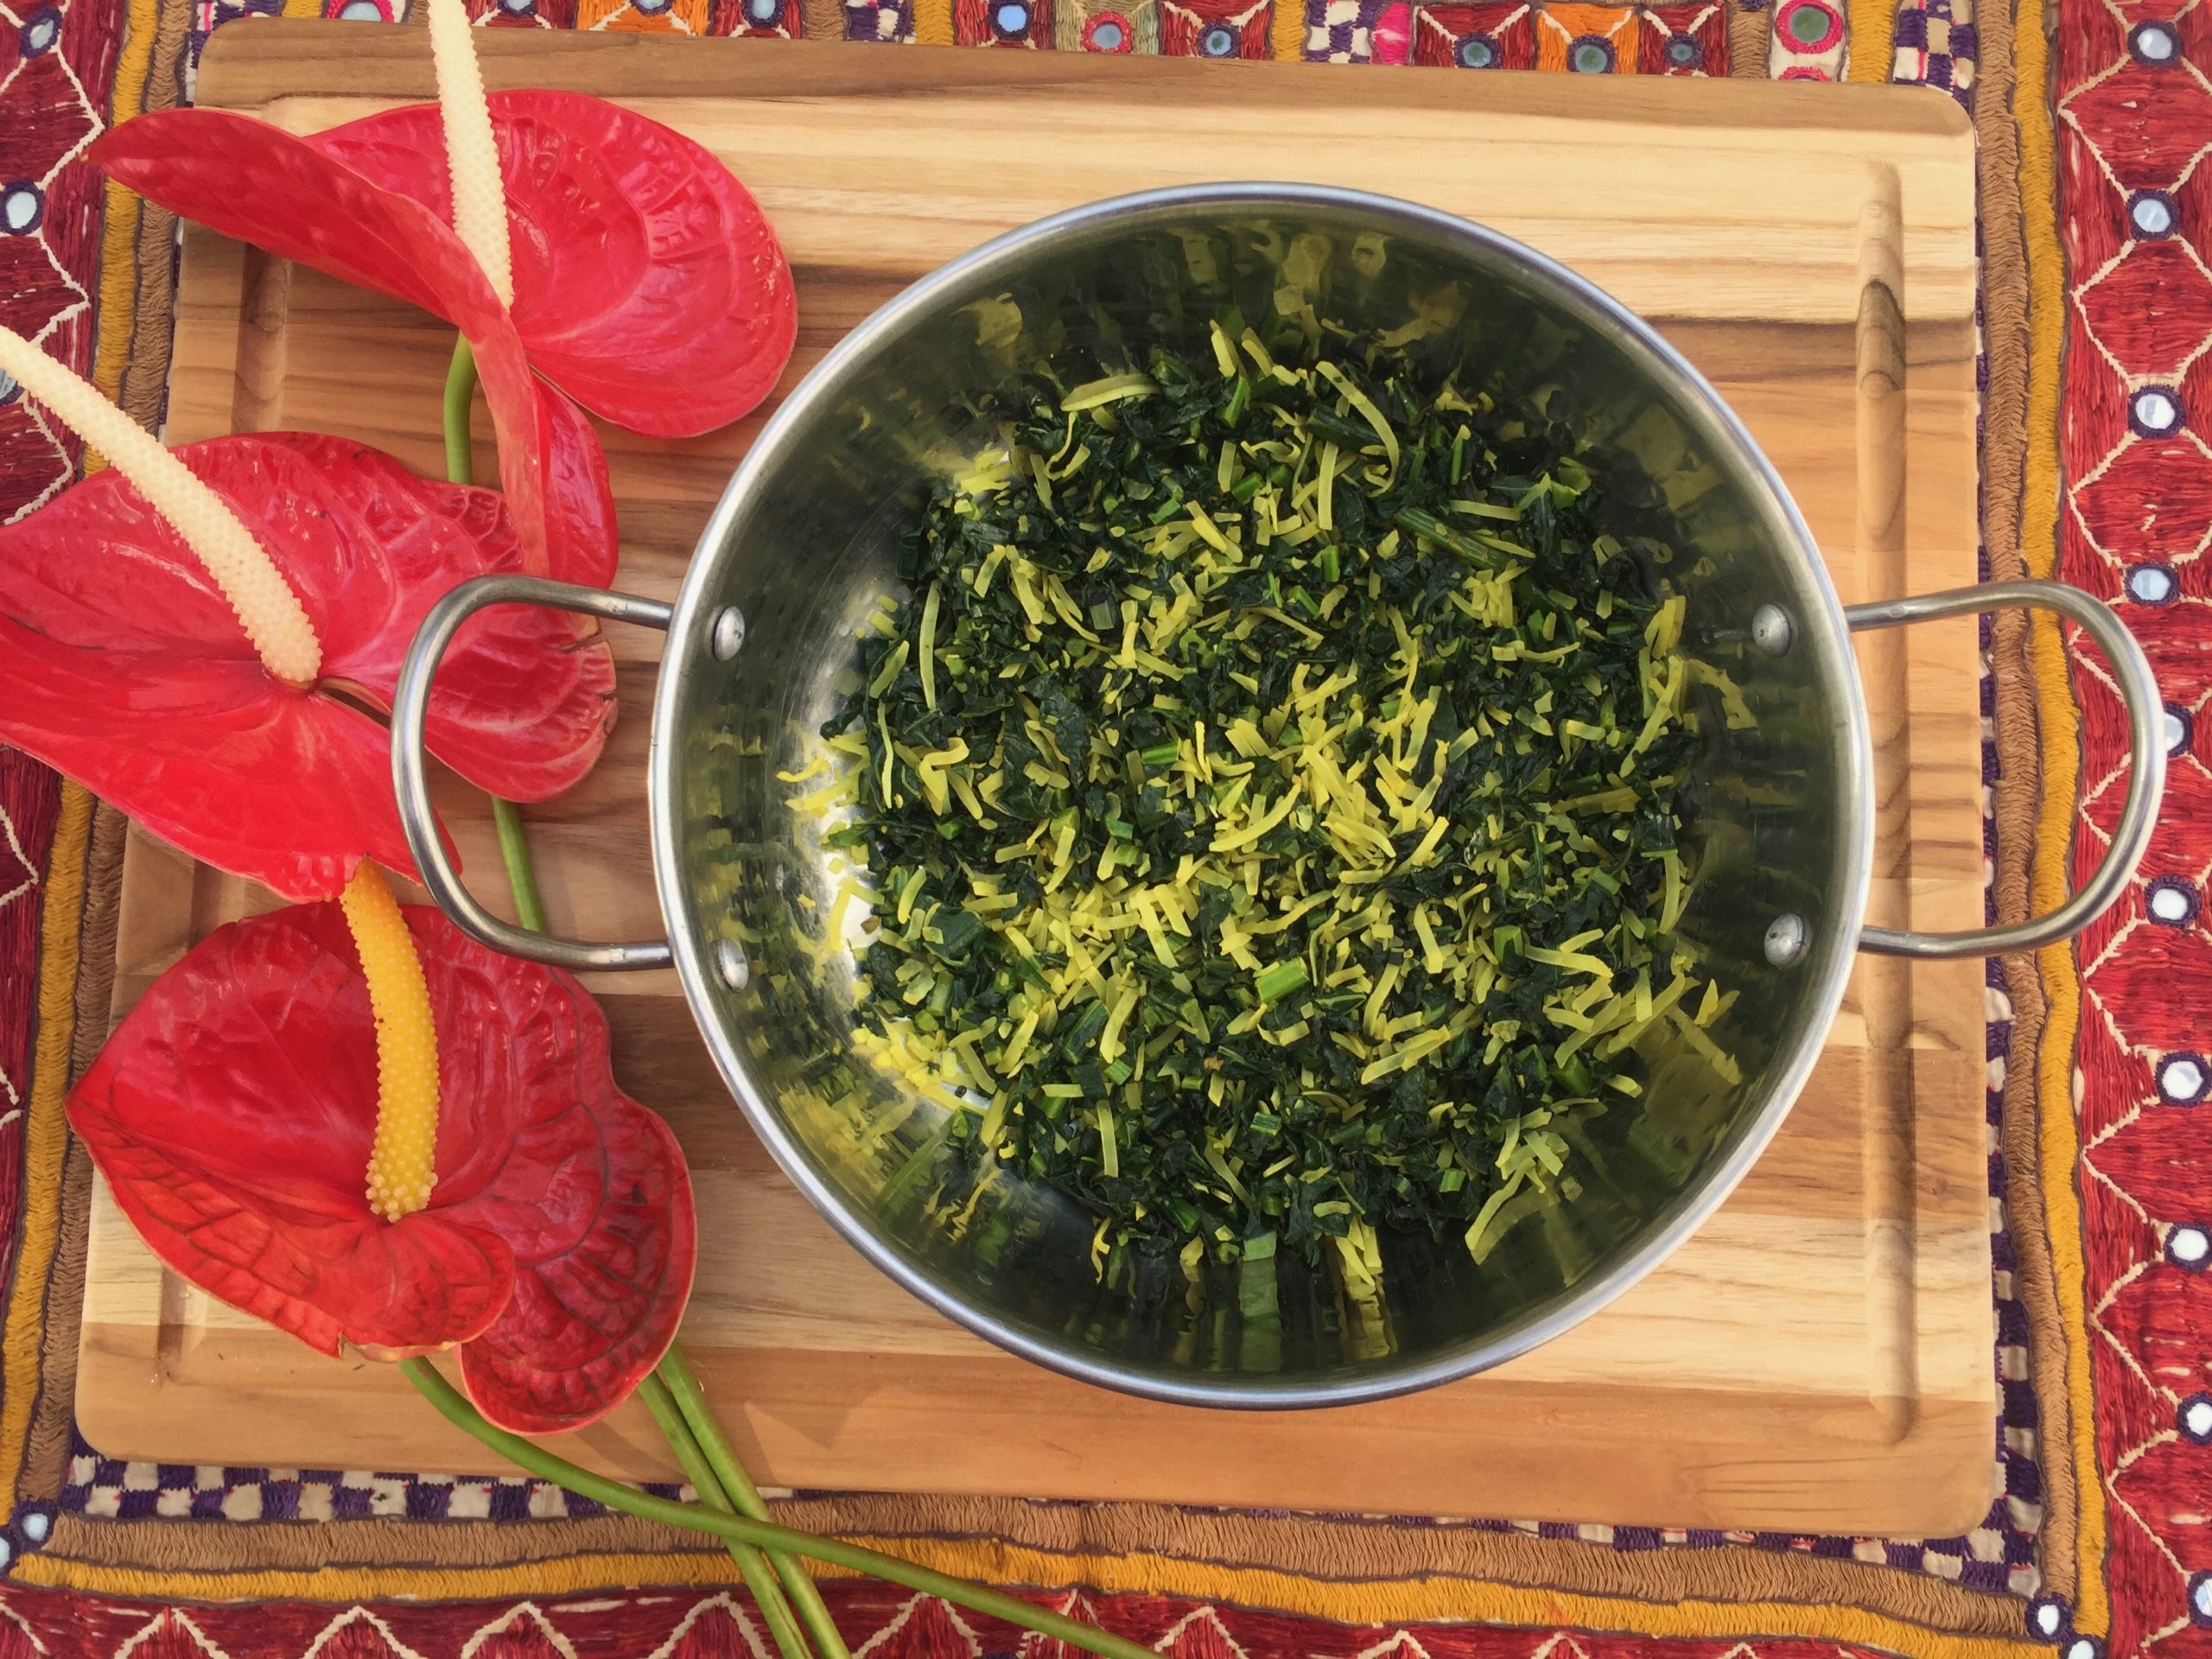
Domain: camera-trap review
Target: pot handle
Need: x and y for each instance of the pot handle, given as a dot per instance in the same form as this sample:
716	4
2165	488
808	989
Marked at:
2146	762
410	705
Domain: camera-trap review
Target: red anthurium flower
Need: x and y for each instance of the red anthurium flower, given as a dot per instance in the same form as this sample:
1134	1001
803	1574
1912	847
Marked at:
648	285
124	666
646	282
233	1113
301	204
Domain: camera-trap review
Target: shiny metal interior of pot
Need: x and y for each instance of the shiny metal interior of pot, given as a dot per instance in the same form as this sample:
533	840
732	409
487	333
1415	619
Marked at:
803	545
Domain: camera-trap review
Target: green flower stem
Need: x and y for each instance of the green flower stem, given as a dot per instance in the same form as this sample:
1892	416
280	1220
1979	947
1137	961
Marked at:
522	875
461	391
691	1400
679	1407
750	1561
460	468
692	1518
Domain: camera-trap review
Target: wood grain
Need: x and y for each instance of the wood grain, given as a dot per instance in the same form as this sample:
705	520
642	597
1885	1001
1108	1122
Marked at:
1817	1356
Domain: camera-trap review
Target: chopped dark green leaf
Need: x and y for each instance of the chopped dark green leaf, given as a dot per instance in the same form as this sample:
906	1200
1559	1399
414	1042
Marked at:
1273	801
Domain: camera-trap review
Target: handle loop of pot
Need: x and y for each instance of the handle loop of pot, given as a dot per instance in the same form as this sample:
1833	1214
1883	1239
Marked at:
2146	762
409	707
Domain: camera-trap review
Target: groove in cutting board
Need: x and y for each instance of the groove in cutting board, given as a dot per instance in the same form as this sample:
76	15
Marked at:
1885	984
1818	1356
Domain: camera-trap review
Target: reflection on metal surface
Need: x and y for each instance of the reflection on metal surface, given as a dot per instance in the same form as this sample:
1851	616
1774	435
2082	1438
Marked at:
1786	939
1771	629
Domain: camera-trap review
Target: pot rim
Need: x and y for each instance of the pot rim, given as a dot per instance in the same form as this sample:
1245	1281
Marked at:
1827	964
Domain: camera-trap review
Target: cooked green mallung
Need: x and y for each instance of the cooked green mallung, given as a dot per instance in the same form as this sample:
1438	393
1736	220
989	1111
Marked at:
1271	798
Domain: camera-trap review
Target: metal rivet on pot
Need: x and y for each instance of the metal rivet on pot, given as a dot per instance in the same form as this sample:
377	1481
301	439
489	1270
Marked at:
1786	938
726	637
1772	629
730	966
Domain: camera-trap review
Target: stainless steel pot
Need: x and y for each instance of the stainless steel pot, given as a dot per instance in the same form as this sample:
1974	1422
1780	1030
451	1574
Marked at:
800	548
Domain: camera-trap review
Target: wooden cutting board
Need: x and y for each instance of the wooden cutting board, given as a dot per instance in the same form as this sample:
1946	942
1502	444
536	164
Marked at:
1818	1356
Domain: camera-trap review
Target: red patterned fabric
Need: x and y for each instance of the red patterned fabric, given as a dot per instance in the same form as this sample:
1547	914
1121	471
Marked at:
2136	209
46	120
30	797
877	1623
1186	28
1020	24
1684	40
1494	35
